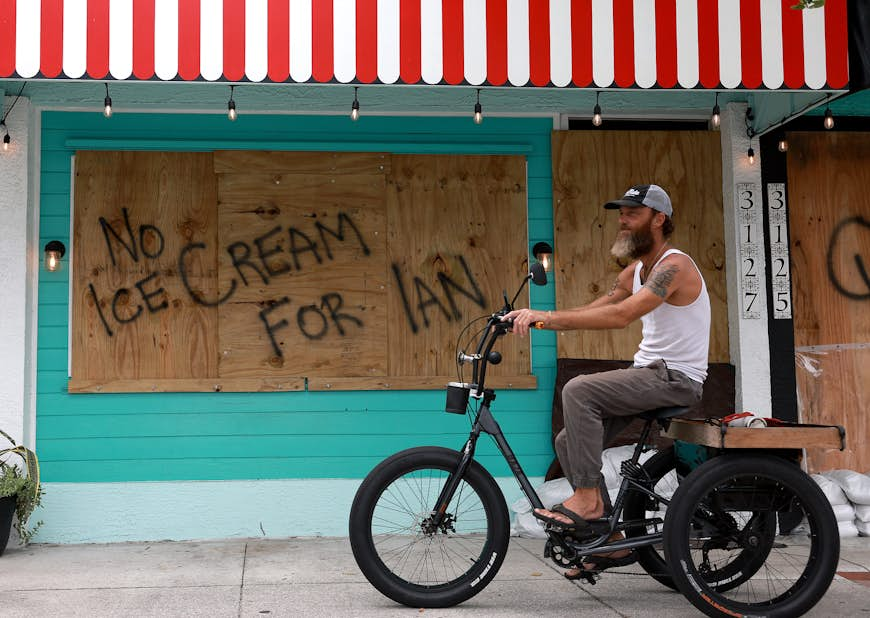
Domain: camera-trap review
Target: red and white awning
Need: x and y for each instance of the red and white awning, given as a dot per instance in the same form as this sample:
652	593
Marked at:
714	44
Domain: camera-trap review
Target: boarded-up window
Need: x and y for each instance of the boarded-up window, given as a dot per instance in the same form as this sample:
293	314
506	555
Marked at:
592	167
829	220
252	271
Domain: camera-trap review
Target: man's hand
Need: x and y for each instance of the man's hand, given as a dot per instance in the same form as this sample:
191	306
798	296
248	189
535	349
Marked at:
524	319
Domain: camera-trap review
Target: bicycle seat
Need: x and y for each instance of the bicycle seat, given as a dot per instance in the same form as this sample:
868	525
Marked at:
663	413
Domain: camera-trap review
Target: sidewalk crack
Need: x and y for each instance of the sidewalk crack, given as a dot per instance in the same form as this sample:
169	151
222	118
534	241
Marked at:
242	585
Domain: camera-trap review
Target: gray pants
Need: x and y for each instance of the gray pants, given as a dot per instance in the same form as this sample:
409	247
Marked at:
600	405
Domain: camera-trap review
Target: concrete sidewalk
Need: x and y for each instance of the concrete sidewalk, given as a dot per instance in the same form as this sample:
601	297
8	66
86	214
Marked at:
318	576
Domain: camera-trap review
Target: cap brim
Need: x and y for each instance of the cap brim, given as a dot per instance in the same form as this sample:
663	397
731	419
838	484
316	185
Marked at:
620	203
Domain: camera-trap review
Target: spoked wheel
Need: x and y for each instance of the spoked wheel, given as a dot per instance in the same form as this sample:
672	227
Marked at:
721	543
660	476
408	555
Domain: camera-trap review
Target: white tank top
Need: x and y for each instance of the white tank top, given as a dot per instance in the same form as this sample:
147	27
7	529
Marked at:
680	336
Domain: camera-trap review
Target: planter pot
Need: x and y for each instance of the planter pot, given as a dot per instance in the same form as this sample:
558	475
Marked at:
7	510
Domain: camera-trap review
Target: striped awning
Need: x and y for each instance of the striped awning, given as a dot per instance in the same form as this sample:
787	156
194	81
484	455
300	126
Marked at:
712	44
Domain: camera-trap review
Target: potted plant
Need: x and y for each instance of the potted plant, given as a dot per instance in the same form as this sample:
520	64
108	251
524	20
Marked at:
20	491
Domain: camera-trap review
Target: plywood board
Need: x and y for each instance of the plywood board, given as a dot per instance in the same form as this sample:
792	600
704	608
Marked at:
593	167
132	315
305	256
829	225
457	239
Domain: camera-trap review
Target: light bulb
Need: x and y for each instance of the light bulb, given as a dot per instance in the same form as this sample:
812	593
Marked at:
829	119
782	145
751	155
6	140
596	115
478	113
231	111
354	111
107	110
716	118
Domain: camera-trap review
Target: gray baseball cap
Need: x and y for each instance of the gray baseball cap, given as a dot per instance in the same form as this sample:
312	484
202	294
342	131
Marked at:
652	196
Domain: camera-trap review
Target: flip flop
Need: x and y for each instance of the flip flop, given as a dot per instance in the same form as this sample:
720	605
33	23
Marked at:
578	526
602	563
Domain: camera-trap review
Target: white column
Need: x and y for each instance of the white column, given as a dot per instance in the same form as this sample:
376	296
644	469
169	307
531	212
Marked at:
14	320
745	264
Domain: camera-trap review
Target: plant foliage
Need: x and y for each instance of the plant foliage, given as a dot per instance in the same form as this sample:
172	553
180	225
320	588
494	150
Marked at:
23	483
808	4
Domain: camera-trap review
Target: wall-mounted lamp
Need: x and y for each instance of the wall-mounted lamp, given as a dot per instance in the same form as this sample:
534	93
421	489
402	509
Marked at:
543	252
54	251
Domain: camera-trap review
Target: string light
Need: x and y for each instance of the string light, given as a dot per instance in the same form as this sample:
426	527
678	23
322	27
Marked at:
107	103
596	112
716	117
829	119
782	145
750	133
231	106
354	107
478	110
6	138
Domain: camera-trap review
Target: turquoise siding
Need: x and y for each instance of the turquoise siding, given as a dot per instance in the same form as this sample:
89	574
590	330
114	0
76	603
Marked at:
198	436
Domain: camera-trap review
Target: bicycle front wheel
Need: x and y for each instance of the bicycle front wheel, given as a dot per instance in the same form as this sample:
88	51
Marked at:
722	545
405	552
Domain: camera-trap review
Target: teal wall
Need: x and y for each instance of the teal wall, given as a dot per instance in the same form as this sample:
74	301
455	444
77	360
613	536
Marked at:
201	436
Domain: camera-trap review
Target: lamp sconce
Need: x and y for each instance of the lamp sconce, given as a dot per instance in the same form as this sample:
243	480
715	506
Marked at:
54	251
543	252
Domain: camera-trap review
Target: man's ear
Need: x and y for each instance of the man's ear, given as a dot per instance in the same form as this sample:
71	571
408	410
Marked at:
659	219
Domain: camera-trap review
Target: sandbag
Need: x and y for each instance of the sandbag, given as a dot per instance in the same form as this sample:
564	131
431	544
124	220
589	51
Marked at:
855	485
862	512
847	529
528	526
863	527
844	512
833	492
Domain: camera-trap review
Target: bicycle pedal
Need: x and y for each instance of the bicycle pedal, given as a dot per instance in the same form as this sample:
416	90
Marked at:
590	577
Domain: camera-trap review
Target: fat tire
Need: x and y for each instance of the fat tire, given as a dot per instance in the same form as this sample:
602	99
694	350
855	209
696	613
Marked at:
823	552
480	572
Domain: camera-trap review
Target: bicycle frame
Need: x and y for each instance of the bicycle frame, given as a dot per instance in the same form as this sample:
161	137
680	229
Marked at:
485	423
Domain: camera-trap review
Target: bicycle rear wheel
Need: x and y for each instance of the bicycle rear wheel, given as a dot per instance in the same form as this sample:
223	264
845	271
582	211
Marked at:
720	538
403	553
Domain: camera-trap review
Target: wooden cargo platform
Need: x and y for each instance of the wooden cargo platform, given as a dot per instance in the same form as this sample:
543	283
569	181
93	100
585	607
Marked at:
786	436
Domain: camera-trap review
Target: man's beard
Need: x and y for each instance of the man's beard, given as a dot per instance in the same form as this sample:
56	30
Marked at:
632	245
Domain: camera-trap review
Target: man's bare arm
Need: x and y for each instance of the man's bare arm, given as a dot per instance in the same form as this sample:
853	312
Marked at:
661	281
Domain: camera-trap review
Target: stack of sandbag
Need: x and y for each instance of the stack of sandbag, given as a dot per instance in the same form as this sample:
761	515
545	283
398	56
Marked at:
849	494
525	524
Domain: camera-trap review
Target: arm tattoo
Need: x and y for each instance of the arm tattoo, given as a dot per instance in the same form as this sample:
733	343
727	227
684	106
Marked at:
660	280
613	289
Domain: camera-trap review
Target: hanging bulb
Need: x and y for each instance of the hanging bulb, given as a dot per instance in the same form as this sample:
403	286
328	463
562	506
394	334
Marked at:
231	106
354	108
596	112
716	117
782	145
829	119
478	110
107	103
751	155
6	140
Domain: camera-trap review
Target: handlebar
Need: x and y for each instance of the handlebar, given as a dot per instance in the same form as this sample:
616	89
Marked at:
495	328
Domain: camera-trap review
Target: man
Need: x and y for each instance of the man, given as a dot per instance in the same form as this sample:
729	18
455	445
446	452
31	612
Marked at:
665	290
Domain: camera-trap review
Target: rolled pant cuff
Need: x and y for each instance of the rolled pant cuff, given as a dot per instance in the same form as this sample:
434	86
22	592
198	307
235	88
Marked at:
586	482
